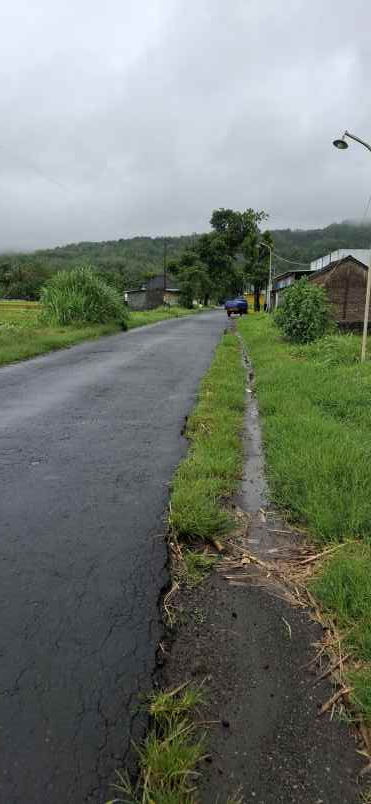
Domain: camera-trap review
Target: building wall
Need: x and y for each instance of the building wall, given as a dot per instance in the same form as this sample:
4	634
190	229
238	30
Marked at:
281	284
137	299
346	289
250	300
154	298
171	297
150	298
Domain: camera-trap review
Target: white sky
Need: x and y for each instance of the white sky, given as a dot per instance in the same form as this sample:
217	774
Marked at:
140	116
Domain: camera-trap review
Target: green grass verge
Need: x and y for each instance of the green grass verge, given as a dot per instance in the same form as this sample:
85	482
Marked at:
141	318
315	407
29	341
22	336
344	589
169	755
361	695
315	404
212	469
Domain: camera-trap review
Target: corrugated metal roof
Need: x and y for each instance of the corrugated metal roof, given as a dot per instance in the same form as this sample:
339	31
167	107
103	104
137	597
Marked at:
360	254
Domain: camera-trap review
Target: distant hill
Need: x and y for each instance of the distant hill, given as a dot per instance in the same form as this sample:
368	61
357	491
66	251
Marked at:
135	258
305	245
138	257
125	263
128	262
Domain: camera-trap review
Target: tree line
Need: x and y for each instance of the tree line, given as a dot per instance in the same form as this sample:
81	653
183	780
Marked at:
216	257
306	245
124	263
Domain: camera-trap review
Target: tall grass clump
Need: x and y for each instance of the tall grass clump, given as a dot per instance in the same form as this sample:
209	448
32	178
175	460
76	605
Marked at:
81	296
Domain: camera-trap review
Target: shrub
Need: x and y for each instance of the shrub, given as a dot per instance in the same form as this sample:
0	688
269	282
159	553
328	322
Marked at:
80	295
304	314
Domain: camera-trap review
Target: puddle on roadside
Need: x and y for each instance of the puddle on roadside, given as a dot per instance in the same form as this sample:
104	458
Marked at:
268	536
254	490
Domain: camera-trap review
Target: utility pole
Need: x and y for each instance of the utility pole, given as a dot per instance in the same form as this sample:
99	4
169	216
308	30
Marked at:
165	258
343	145
367	309
269	290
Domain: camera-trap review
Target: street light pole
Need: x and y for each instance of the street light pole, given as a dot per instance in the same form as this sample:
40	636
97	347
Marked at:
357	139
165	264
269	288
367	309
342	145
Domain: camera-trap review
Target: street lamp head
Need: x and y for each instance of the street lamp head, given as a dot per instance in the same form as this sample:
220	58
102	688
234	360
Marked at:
341	144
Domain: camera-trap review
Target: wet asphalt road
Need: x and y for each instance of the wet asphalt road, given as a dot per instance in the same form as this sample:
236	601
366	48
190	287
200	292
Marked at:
90	438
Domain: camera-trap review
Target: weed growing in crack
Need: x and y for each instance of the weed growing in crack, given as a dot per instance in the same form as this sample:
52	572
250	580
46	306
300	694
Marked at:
169	755
194	567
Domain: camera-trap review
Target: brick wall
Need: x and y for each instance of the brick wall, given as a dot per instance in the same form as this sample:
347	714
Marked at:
346	288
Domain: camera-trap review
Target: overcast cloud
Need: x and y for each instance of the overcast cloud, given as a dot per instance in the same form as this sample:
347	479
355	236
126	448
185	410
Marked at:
131	117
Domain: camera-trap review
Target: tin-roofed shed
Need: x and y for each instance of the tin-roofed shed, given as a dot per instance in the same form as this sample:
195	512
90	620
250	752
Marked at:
345	282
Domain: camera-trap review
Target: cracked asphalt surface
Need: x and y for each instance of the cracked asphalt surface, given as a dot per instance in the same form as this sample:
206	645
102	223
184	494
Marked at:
90	438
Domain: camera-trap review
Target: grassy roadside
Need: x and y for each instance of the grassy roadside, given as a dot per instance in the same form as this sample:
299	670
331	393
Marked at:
212	469
314	403
141	318
22	336
170	755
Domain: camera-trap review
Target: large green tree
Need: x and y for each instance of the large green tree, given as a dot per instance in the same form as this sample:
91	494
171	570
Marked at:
242	235
222	261
236	226
214	253
256	246
193	278
21	279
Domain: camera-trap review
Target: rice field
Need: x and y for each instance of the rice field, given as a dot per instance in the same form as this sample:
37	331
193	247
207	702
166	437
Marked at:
18	311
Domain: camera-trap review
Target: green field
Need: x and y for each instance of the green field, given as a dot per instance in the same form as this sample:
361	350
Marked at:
18	311
315	404
22	335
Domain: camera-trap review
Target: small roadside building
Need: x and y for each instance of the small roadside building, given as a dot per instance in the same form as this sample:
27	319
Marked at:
283	281
135	298
160	289
345	280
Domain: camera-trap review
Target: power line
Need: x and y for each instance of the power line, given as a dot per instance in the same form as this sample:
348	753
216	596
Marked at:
292	262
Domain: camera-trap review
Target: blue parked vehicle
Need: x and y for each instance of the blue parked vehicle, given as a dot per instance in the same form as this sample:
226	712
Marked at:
238	306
